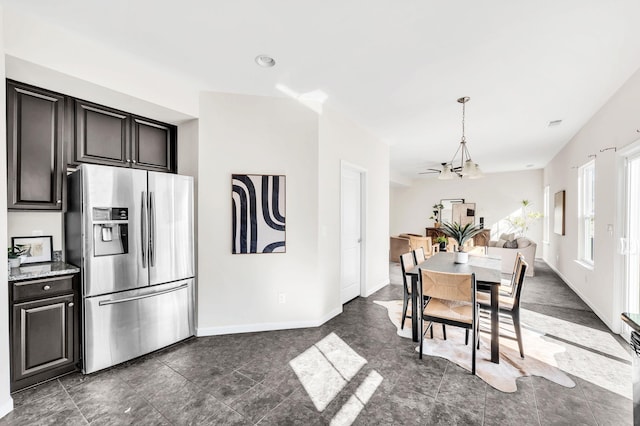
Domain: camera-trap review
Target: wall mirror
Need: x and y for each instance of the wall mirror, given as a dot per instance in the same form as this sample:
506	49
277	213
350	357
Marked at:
446	214
464	213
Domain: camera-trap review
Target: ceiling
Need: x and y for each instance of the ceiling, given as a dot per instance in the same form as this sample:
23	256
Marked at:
394	67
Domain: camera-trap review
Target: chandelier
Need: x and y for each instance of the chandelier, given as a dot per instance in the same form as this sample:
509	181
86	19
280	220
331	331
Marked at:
463	166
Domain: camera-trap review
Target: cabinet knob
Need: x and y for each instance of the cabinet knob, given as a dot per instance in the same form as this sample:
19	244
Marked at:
134	161
128	161
58	202
70	304
46	287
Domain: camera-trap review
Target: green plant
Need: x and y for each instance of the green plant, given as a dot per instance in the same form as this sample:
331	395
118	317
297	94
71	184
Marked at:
460	233
441	239
15	252
437	208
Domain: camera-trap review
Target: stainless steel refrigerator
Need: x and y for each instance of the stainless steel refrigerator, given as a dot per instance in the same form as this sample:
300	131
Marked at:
131	233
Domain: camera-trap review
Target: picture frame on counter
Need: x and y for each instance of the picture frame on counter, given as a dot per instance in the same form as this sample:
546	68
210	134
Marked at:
36	249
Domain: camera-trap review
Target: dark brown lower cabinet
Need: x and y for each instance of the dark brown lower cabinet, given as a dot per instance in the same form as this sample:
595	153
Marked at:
44	330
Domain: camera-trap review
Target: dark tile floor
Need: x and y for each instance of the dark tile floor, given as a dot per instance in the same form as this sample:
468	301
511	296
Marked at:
363	369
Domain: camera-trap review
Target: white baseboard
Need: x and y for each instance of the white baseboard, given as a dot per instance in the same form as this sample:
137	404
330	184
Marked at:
6	407
266	326
378	287
583	297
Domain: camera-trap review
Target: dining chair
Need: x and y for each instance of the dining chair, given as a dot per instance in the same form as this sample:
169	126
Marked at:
452	301
510	304
418	255
508	285
407	262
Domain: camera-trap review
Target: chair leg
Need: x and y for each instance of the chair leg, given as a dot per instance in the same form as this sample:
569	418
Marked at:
405	304
473	353
516	325
422	338
444	332
466	336
431	330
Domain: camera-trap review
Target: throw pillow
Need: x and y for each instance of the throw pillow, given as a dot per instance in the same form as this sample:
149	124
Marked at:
523	242
500	243
507	237
511	244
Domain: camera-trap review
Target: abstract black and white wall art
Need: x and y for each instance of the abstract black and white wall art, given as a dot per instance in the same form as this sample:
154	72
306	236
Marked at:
258	213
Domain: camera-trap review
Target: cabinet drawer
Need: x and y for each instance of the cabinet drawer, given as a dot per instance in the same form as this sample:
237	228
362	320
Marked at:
42	288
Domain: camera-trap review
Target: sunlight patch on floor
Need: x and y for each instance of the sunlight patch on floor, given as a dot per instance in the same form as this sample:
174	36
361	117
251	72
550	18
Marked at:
325	369
350	410
591	354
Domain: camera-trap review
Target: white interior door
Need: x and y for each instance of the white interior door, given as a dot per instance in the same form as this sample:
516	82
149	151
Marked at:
351	234
630	243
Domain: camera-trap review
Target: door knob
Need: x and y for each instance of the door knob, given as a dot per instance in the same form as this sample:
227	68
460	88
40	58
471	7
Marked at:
46	287
70	304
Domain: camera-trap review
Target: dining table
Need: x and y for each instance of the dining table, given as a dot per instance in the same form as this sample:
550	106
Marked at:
488	276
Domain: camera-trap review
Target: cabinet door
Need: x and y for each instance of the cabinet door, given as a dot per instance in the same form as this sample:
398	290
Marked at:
35	120
154	145
102	135
42	335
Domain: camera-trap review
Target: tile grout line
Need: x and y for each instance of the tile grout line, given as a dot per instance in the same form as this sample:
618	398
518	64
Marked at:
535	401
72	401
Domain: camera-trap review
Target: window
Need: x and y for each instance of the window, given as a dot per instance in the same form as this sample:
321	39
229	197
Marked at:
586	211
545	212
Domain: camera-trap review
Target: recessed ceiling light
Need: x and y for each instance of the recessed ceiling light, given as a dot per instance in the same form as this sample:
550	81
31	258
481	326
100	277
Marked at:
555	123
265	61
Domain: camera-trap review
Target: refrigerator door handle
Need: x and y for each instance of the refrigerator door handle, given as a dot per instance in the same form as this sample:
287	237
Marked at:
152	229
143	296
143	228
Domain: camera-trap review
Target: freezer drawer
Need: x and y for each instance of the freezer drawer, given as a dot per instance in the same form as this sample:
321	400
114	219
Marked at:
122	326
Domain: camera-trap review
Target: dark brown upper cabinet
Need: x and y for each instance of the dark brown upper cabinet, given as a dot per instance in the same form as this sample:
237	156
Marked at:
35	119
154	145
102	135
116	138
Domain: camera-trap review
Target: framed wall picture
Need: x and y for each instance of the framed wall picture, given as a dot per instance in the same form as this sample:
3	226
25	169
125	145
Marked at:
446	214
258	213
558	212
36	249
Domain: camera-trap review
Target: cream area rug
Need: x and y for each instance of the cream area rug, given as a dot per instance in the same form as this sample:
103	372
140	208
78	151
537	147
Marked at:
539	354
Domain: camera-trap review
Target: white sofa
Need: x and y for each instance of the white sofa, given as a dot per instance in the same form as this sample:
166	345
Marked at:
508	255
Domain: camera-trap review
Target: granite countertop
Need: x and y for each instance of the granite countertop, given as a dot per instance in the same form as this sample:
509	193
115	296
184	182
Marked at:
41	270
633	320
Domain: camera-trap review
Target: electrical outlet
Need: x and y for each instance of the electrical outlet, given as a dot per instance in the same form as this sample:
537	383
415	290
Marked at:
282	298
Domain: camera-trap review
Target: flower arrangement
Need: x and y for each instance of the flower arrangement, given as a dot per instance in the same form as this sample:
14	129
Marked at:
521	223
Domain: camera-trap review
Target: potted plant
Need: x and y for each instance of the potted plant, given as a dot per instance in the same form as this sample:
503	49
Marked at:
461	234
13	254
521	223
437	208
442	240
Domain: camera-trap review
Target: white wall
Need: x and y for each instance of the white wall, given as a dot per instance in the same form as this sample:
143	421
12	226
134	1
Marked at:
6	402
24	224
614	125
497	196
257	135
343	140
34	40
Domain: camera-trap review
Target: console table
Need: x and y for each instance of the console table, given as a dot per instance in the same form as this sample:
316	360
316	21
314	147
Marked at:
482	239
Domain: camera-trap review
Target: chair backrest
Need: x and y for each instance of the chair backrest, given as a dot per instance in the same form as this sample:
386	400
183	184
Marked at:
448	286
418	255
514	276
518	285
407	262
